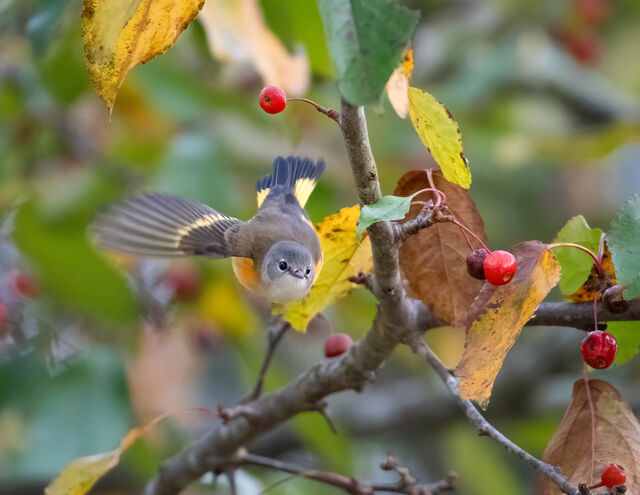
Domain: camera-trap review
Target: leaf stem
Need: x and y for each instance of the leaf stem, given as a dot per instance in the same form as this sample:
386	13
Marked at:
329	112
596	259
585	376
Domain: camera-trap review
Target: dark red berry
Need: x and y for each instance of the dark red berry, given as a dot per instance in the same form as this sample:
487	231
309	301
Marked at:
612	475
599	349
185	282
273	99
475	262
613	300
25	284
499	267
337	344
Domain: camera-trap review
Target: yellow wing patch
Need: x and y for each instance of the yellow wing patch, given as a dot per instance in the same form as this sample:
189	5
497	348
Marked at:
204	221
302	190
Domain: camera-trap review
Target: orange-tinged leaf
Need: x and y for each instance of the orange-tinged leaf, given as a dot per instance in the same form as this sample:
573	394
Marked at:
236	31
587	292
343	258
398	85
434	260
79	476
617	438
440	134
120	34
498	315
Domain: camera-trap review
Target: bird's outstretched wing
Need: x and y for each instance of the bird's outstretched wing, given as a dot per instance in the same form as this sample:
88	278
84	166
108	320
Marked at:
165	226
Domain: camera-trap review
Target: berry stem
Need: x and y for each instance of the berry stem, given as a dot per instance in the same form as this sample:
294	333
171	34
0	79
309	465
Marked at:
442	198
585	376
329	112
601	247
596	260
468	230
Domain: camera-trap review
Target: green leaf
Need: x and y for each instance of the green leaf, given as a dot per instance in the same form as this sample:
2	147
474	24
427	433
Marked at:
627	333
623	240
69	268
386	209
366	42
576	265
440	134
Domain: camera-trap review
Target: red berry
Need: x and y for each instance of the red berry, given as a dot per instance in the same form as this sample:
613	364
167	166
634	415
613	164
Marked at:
613	300
185	282
612	475
583	47
599	349
25	284
475	261
273	99
337	344
499	267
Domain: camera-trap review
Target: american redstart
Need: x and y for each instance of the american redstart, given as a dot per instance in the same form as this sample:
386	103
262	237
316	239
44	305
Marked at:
276	254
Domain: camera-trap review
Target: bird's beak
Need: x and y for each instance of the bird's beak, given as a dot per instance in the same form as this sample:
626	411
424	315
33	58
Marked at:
297	273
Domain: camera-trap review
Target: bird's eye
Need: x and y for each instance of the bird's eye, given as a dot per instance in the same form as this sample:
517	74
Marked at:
308	272
283	265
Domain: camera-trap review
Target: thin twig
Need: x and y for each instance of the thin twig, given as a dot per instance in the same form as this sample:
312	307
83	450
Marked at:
406	485
275	331
486	428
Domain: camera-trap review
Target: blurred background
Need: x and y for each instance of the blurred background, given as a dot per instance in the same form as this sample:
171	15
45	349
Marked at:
547	97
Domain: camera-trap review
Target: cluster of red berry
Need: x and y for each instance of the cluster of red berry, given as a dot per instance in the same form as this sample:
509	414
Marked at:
497	267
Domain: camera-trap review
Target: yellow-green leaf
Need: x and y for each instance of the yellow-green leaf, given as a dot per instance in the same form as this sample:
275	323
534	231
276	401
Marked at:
498	314
79	476
440	134
343	258
120	34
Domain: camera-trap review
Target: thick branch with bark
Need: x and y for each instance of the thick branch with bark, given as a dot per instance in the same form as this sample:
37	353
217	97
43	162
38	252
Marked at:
399	319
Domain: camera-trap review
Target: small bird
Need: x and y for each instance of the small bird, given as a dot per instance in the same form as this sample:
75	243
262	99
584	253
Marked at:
276	254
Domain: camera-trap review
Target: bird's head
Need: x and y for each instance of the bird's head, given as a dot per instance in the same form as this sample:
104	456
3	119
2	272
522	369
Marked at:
287	272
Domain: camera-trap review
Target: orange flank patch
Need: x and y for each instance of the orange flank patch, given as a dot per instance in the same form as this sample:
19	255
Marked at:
247	274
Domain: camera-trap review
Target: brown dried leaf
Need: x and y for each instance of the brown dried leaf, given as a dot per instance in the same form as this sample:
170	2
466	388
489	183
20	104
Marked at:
617	438
434	260
498	315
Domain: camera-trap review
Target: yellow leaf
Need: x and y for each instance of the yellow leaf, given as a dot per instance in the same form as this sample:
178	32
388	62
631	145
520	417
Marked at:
222	305
120	34
78	477
440	134
343	257
236	31
398	85
498	314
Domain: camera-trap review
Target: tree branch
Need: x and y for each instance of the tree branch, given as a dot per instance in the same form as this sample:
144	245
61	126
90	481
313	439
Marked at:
399	319
580	315
485	428
406	484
